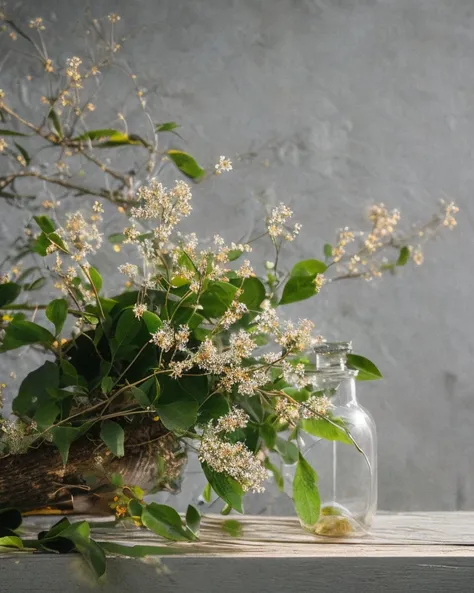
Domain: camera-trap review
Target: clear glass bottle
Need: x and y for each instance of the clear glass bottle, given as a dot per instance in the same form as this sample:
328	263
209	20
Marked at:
347	474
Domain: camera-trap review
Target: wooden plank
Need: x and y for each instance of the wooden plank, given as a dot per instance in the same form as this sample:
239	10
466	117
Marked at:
409	533
60	574
419	552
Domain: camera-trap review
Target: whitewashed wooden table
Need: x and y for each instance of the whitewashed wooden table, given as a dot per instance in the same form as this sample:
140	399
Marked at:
422	552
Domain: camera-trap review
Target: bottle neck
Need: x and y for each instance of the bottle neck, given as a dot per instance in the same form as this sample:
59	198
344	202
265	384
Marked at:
332	372
339	385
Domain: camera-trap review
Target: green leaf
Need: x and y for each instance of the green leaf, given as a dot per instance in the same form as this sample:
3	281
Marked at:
8	293
56	312
234	254
232	527
217	298
328	250
193	519
300	285
300	395
20	332
106	384
135	508
319	427
95	278
79	534
46	414
287	450
367	369
268	435
35	285
11	541
4	132
103	134
214	407
23	153
113	436
298	289
305	493
127	327
45	240
207	493
404	256
178	413
63	437
186	164
140	551
253	292
45	224
166	127
116	238
152	321
308	268
140	397
225	487
164	521
34	389
53	116
276	473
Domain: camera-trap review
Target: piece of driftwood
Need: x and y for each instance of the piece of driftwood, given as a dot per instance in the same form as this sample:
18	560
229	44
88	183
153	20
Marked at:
414	552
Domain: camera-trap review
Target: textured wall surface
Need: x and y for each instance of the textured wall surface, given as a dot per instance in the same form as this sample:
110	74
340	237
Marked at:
345	103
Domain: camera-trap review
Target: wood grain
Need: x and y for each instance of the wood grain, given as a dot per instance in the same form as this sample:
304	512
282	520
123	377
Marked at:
419	552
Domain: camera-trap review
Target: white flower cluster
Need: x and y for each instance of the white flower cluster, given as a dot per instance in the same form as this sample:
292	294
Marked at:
314	407
278	226
234	459
166	206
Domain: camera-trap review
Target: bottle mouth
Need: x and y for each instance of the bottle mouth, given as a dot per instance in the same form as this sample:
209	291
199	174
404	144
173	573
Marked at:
332	355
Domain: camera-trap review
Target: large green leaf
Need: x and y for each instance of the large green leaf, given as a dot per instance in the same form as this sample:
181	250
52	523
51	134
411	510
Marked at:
308	268
179	412
152	321
113	436
305	493
45	240
225	487
367	369
11	541
95	278
193	519
56	312
165	521
300	285
20	332
186	164
324	429
45	224
287	449
217	298
46	414
79	534
34	389
63	437
127	327
8	293
253	292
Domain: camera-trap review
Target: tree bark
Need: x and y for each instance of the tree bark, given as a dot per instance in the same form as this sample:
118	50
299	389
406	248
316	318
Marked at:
38	480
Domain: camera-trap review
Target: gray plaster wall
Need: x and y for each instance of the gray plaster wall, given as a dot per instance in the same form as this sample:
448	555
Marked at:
345	103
